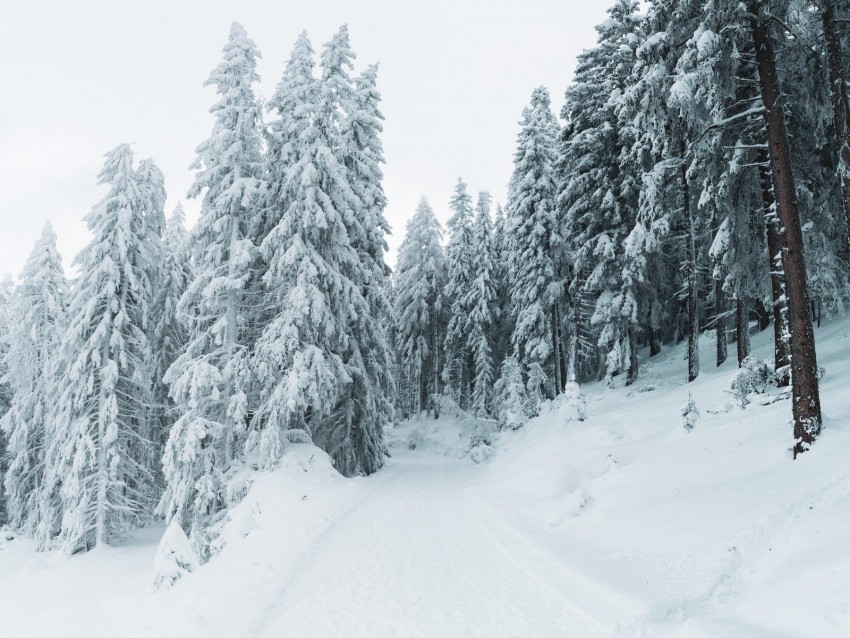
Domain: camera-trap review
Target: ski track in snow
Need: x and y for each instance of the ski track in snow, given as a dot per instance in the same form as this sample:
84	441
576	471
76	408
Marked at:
420	557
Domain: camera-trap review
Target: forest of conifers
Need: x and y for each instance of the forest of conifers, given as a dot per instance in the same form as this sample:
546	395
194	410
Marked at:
697	181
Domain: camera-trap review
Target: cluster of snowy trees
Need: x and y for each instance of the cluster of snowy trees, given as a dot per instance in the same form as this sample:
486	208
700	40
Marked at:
176	360
670	202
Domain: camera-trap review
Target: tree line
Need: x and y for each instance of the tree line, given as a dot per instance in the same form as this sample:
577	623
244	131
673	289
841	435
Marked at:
698	180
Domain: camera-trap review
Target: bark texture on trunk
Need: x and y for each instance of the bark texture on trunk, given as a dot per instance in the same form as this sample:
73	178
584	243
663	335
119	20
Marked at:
839	100
720	322
691	275
556	351
742	329
804	370
777	282
632	373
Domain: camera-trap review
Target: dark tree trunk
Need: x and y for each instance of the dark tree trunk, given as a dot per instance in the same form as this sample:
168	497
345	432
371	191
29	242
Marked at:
575	342
691	276
556	351
777	283
804	370
632	373
654	341
840	103
720	322
742	329
762	315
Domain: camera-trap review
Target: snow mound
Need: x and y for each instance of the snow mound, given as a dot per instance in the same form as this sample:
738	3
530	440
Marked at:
174	557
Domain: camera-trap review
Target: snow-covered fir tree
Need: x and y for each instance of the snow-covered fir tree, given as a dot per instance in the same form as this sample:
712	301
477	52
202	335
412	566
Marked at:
210	380
169	335
481	300
99	454
36	333
598	198
323	358
6	292
457	369
151	214
368	408
419	280
532	242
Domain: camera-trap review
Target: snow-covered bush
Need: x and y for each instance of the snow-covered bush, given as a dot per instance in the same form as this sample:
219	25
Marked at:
752	377
574	404
174	557
481	452
690	413
510	396
415	440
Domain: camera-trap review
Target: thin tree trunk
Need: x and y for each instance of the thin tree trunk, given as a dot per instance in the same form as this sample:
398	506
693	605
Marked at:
571	363
654	342
720	323
804	370
777	284
840	102
575	342
693	318
742	329
652	333
102	470
632	373
436	371
556	346
762	315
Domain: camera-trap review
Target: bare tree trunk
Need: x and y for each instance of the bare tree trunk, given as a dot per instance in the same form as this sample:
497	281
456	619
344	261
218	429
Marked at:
720	322
742	328
691	275
777	284
556	351
436	371
632	372
840	102
762	315
804	370
573	365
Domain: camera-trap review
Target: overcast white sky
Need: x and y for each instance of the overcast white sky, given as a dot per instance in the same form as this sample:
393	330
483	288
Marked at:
80	77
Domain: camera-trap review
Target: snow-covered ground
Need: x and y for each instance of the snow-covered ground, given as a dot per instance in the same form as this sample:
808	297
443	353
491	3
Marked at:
621	525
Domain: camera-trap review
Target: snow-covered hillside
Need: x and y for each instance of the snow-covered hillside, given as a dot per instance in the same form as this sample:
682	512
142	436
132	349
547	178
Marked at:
624	524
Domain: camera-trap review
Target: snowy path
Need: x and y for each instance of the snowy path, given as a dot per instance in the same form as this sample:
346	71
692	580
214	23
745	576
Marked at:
419	556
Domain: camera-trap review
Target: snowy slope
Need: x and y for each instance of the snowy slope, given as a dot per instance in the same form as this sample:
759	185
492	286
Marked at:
620	525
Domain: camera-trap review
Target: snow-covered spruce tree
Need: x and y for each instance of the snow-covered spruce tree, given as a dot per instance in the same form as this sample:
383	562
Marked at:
532	241
169	334
661	146
36	333
690	414
327	281
367	409
510	395
292	104
6	293
459	273
99	452
599	194
419	280
151	211
502	326
209	380
481	300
